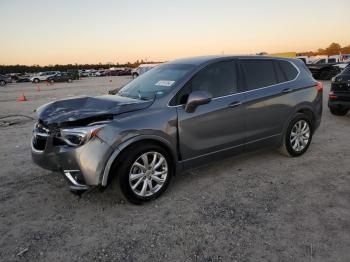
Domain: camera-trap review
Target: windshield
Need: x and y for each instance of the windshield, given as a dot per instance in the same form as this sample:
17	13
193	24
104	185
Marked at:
157	81
346	70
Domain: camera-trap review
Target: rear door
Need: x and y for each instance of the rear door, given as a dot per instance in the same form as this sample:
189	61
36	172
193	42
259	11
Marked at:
216	128
268	97
58	77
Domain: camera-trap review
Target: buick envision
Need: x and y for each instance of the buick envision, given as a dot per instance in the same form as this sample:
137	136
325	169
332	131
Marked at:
177	116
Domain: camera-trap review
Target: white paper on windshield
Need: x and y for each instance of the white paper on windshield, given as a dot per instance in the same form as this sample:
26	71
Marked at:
165	83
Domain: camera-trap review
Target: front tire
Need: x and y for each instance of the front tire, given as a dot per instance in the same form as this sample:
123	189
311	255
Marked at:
36	80
338	110
298	136
144	172
2	83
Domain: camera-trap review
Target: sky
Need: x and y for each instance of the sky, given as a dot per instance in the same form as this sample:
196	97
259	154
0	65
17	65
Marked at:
89	31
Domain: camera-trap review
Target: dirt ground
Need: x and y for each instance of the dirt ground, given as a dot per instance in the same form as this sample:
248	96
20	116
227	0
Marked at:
260	206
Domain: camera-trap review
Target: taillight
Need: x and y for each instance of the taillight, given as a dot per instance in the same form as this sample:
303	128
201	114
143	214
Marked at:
333	97
319	87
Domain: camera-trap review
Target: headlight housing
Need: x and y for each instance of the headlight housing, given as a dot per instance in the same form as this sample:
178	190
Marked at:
79	136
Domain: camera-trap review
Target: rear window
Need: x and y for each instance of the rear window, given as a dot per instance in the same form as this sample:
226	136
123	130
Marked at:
259	73
288	70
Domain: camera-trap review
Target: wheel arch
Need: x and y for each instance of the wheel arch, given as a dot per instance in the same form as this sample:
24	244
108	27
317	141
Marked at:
303	108
134	142
310	113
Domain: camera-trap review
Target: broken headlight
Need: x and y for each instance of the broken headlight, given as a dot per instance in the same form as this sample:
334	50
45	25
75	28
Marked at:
78	136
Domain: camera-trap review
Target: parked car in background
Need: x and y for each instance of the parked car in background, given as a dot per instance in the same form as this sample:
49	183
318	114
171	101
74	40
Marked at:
21	78
143	68
339	96
5	80
92	72
100	73
124	72
305	59
118	71
83	73
43	76
60	77
179	115
321	61
323	71
74	73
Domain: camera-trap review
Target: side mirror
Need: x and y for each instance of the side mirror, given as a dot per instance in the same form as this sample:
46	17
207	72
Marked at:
197	98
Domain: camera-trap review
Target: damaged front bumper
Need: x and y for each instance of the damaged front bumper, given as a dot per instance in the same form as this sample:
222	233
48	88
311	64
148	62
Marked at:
81	166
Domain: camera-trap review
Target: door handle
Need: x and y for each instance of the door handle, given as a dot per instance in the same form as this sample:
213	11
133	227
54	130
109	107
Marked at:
235	103
287	90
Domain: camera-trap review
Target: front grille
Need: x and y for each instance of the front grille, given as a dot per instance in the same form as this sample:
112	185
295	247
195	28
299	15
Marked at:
40	135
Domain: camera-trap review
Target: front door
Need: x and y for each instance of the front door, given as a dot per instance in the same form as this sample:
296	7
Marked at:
217	128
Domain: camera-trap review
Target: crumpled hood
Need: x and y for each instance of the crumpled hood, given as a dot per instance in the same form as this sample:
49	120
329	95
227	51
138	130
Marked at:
75	109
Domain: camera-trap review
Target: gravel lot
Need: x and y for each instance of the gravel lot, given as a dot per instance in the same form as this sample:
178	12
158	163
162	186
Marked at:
260	206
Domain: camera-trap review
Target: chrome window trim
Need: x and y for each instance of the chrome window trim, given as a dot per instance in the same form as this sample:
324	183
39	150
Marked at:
244	92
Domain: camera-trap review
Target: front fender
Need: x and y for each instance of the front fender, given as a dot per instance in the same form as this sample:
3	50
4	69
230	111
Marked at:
119	149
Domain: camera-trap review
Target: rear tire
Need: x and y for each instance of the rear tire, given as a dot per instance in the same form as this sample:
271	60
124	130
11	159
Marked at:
36	80
144	172
2	83
338	110
298	136
70	80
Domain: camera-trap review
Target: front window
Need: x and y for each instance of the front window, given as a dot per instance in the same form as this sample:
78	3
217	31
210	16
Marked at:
157	81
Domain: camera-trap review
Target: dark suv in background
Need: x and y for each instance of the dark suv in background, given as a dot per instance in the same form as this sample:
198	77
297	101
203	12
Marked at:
60	77
339	97
176	116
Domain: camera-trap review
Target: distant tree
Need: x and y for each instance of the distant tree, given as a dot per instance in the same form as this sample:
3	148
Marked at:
321	51
333	49
345	50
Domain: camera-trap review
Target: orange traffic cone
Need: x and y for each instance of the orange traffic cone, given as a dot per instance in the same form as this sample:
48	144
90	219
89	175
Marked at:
38	88
22	98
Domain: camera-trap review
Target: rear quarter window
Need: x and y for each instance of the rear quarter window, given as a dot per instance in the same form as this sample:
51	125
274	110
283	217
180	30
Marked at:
289	71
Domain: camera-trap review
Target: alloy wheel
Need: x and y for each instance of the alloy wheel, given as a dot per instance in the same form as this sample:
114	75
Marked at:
148	174
300	135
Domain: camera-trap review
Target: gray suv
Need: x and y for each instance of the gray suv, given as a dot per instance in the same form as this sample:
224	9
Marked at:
176	116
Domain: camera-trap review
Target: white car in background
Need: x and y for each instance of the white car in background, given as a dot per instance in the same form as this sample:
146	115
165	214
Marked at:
43	76
143	68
